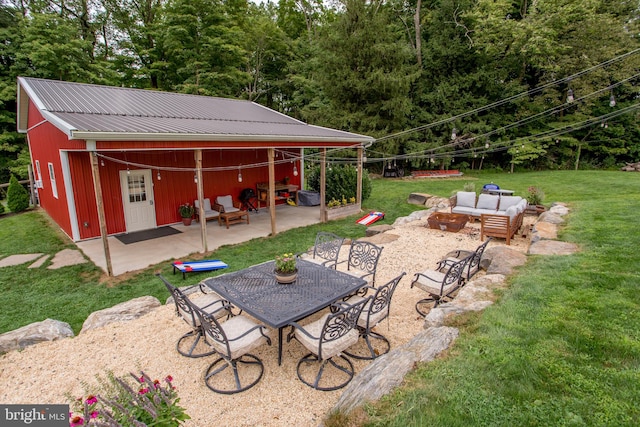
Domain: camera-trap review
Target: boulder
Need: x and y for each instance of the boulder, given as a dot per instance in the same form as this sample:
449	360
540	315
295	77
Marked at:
552	247
551	217
544	231
47	330
377	229
127	310
387	371
418	198
559	210
502	260
438	202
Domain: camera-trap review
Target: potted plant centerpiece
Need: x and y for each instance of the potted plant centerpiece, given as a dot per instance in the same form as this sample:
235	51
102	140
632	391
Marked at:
534	198
286	270
186	212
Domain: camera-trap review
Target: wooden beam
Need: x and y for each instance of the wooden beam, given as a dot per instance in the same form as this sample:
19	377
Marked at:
202	217
323	184
97	187
272	190
359	177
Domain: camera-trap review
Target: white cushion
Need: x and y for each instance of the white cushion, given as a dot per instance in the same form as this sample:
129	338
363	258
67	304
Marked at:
329	349
233	328
511	211
227	203
488	201
506	201
466	199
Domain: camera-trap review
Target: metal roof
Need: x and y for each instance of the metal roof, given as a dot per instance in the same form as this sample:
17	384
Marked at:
94	112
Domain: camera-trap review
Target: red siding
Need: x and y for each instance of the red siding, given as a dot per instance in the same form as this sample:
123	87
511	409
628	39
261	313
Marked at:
45	141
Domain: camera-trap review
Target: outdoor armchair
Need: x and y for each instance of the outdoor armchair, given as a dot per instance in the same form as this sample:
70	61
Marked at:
473	266
440	284
326	339
225	204
375	311
232	340
326	249
363	260
188	344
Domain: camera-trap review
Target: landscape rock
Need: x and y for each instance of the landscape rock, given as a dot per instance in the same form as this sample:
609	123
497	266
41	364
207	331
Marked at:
377	229
418	198
550	217
544	230
122	312
437	202
47	330
502	260
387	371
559	210
552	247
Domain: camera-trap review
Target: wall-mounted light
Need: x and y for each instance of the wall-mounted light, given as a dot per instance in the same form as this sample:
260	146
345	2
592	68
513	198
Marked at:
570	97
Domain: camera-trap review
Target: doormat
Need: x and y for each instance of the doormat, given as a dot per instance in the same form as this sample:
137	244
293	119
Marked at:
141	236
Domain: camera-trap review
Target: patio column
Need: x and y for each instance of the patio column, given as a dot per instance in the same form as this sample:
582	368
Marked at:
97	187
201	214
323	184
359	177
272	190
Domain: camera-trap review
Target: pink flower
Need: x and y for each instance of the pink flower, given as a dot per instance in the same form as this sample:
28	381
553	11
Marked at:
143	391
169	378
94	414
91	400
76	421
156	383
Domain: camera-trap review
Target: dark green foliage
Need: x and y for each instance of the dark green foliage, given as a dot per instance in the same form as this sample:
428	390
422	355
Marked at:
17	196
341	182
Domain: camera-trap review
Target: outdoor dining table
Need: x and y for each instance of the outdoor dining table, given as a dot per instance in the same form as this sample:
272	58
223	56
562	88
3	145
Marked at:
256	291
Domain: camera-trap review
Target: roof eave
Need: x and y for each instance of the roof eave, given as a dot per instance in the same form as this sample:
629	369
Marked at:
130	136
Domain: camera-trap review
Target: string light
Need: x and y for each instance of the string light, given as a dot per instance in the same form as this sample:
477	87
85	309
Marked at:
295	170
454	134
612	101
195	178
102	162
158	177
239	175
570	97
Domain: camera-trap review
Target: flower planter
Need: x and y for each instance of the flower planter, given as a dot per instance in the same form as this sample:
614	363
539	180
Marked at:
286	278
187	221
342	211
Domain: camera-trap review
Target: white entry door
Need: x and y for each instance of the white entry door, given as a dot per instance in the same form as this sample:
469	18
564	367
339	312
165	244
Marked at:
137	199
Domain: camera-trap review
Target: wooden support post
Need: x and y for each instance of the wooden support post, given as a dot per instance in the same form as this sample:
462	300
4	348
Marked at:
272	189
97	187
201	215
323	184
359	177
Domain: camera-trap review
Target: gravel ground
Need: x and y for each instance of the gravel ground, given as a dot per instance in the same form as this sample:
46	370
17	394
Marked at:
49	372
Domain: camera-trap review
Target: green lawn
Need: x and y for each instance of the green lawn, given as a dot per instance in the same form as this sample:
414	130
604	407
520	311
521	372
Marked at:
561	346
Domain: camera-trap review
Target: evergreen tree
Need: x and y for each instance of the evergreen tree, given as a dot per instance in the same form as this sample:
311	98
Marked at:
17	196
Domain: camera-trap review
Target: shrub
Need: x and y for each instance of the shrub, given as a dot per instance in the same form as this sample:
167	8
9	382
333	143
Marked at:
17	196
341	182
147	402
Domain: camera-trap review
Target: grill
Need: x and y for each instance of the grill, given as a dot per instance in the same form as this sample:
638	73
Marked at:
248	198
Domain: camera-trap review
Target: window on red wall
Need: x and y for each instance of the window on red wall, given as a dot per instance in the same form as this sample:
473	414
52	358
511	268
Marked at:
52	178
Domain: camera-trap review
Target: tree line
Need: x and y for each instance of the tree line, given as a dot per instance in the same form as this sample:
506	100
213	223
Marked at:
407	72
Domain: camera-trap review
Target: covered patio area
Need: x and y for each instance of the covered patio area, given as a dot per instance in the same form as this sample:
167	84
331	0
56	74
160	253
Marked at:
136	256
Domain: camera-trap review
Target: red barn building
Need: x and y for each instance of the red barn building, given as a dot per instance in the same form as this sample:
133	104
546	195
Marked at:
109	160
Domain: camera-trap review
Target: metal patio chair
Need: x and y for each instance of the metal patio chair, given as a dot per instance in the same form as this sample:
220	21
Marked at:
473	266
210	302
326	249
439	284
374	312
326	339
232	340
363	260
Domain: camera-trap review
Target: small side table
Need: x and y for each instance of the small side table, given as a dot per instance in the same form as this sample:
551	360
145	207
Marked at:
230	218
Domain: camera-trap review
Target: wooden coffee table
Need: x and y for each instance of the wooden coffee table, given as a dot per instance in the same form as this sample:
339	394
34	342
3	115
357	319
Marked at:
233	217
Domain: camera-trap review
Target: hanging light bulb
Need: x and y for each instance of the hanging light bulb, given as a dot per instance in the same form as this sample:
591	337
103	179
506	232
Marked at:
128	171
295	170
364	156
486	145
454	133
102	162
612	101
570	96
195	177
158	177
239	175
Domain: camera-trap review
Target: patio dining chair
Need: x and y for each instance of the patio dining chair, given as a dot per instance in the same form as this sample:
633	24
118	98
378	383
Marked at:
363	260
473	266
232	340
326	339
188	344
440	284
326	249
375	311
